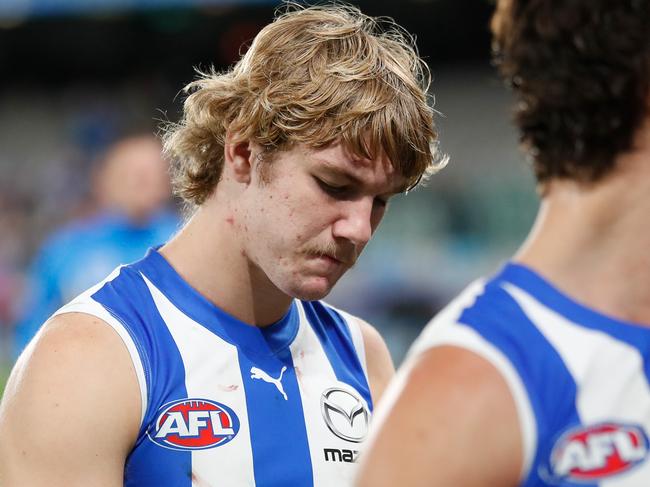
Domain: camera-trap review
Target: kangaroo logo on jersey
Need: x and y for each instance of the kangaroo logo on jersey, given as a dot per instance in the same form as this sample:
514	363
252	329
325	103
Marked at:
592	453
260	374
194	424
345	414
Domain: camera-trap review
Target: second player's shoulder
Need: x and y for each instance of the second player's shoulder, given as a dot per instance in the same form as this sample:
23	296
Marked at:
438	404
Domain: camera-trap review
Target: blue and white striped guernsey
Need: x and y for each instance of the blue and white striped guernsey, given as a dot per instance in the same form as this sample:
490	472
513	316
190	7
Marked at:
228	404
579	379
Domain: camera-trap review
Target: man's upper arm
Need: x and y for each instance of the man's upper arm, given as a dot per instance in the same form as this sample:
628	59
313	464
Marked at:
448	419
378	360
71	408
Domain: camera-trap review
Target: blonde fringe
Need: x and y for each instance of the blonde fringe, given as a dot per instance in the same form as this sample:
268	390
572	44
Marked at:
314	76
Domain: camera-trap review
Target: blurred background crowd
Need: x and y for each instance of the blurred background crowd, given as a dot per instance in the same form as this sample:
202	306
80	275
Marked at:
84	84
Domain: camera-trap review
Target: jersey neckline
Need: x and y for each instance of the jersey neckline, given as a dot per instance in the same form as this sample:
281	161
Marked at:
268	340
546	293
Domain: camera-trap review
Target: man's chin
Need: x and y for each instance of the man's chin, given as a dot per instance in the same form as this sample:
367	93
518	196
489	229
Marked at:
313	289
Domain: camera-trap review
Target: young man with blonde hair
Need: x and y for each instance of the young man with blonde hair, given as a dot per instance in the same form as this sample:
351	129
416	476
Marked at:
212	361
539	375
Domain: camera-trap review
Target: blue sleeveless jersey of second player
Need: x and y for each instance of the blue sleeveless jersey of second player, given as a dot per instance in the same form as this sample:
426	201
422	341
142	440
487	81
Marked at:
228	404
579	379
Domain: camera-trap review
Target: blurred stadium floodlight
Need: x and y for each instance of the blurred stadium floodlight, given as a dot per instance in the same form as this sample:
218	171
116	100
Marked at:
23	9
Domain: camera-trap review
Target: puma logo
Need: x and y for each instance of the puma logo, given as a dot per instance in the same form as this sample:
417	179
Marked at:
260	374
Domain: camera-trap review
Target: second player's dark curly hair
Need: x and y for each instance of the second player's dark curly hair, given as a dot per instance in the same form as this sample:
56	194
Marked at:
580	70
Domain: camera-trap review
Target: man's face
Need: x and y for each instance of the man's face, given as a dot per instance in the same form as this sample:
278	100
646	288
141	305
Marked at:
306	217
135	180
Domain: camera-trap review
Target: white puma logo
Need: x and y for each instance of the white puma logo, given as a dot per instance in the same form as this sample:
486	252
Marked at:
260	374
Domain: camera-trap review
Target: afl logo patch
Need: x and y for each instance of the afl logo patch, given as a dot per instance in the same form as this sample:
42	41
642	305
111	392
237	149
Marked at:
193	424
592	453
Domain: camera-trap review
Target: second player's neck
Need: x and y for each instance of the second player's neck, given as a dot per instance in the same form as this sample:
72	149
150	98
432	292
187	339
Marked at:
207	257
593	245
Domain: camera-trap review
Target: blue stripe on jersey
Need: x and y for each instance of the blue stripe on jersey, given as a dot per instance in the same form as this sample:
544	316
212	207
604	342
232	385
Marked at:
551	388
636	336
336	340
127	298
276	425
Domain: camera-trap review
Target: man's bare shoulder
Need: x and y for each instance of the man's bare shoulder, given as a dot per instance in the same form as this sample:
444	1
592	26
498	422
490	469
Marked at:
71	400
456	421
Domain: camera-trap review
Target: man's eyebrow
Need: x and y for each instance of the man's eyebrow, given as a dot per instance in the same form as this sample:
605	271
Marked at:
335	168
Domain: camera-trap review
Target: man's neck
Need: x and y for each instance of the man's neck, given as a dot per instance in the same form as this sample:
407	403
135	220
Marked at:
593	241
207	254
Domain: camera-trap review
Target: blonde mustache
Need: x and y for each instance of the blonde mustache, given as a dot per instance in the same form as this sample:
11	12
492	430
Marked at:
330	249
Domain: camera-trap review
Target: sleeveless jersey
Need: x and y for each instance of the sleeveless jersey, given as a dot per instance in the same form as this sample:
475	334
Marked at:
579	379
228	404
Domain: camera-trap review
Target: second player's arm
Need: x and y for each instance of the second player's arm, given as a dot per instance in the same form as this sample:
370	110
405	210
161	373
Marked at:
447	420
71	408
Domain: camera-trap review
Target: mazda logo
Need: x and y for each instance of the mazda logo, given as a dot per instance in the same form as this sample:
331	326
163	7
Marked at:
345	414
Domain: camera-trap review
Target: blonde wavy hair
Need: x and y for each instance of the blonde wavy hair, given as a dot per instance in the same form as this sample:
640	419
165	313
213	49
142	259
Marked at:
313	76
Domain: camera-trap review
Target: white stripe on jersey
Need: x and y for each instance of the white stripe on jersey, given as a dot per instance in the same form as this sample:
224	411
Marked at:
612	389
198	346
445	329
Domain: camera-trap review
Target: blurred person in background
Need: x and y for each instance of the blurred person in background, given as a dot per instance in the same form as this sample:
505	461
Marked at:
131	196
539	374
213	361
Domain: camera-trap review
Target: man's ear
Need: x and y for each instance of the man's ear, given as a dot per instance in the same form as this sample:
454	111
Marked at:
240	156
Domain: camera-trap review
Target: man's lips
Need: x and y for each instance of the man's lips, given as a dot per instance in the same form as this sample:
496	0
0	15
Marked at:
330	261
340	259
333	259
335	254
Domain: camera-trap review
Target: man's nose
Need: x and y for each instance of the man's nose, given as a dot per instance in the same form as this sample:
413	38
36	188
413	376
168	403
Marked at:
355	222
